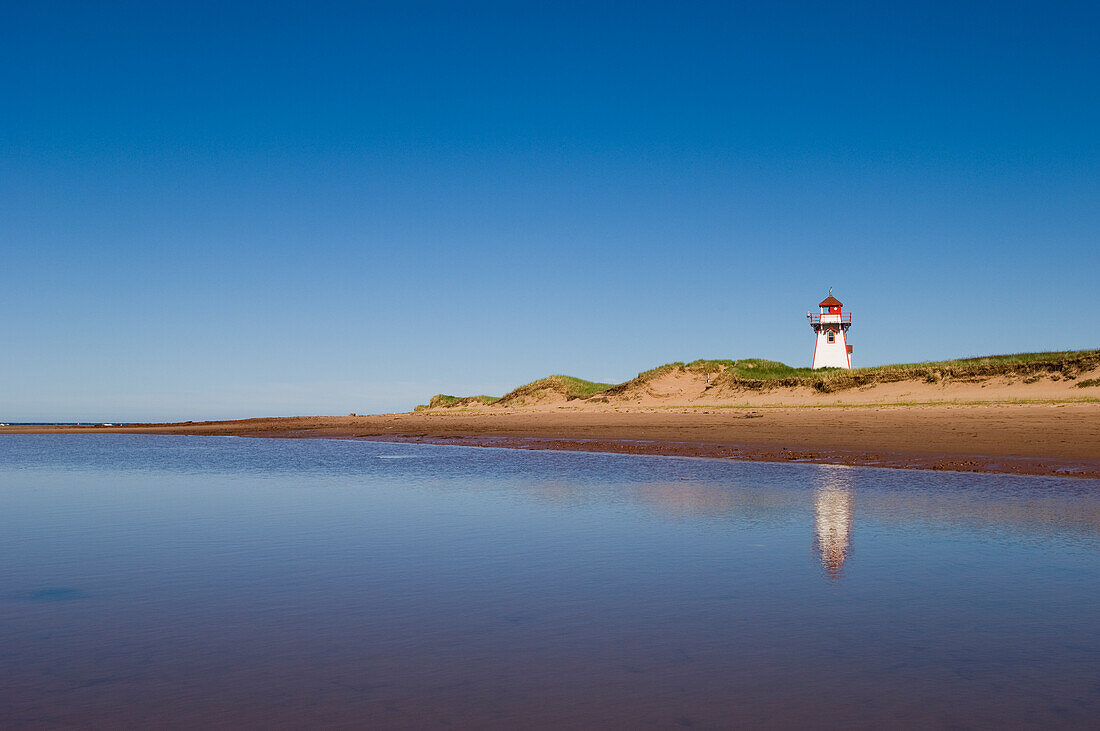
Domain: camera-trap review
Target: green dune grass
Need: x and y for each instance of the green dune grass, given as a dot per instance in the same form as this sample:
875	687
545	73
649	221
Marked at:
760	373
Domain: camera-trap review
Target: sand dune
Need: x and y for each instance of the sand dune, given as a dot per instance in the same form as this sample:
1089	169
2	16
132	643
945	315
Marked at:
702	384
1037	417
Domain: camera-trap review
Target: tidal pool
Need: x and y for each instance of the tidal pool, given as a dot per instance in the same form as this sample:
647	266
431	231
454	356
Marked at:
187	582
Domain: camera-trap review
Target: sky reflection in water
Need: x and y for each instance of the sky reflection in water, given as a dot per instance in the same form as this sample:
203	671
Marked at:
196	581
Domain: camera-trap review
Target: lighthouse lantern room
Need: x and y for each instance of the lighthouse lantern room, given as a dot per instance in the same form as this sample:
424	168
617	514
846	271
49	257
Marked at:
831	327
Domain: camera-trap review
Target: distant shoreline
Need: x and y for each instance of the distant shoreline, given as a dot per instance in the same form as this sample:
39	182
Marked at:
1060	439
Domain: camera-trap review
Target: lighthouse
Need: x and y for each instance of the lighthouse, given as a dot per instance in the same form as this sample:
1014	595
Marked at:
831	325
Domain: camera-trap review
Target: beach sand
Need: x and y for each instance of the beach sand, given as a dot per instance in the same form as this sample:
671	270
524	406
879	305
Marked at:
1035	438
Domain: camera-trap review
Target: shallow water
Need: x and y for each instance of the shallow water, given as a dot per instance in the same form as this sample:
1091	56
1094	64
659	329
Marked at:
198	581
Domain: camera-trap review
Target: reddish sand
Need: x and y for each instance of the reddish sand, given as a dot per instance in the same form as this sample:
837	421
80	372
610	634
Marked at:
1039	439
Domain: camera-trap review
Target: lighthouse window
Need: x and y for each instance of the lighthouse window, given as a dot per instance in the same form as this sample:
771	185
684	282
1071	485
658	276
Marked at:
831	336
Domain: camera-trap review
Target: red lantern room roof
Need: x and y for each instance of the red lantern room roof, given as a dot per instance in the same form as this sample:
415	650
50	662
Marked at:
830	301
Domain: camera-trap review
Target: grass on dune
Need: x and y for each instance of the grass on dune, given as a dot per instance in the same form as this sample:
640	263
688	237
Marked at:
757	368
760	369
745	369
581	387
442	400
994	360
762	374
568	386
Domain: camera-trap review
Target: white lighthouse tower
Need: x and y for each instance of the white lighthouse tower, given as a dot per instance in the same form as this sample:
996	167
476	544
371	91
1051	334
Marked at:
831	325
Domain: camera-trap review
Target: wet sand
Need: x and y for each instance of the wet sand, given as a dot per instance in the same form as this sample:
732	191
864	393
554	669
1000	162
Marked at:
1036	439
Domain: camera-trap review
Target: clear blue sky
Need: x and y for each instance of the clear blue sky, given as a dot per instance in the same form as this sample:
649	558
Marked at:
220	210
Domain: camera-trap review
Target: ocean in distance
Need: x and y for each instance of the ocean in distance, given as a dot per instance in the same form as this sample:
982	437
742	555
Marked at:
184	582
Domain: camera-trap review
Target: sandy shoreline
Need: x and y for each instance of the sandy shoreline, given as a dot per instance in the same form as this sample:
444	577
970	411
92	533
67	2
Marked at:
1036	439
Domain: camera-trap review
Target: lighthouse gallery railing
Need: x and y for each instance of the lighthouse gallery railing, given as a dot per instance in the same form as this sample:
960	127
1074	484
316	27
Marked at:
845	317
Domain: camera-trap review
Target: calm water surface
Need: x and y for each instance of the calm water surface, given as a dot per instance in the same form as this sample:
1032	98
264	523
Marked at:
194	582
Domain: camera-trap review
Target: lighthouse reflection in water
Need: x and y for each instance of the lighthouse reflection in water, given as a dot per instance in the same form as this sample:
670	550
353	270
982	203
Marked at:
833	512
